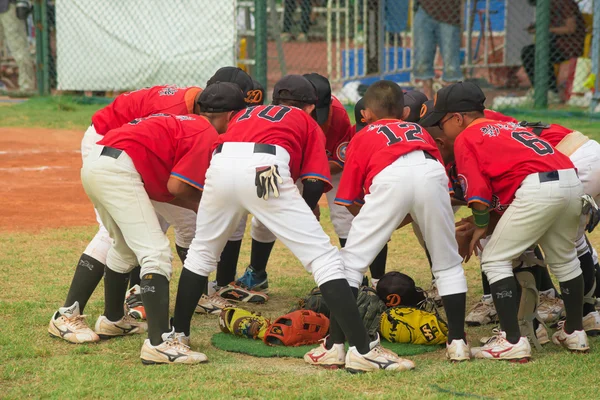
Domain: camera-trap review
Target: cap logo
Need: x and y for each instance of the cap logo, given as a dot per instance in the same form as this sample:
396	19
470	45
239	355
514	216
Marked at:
254	97
423	110
393	300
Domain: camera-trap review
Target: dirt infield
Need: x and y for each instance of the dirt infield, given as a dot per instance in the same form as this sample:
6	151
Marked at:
39	181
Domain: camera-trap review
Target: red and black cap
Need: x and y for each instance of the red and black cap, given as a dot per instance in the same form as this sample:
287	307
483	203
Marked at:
234	75
221	97
414	100
323	88
457	97
360	120
398	289
298	87
256	97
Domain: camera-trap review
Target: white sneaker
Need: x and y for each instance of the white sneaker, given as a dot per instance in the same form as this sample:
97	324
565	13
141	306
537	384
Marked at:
170	351
68	324
127	325
212	304
181	338
591	323
498	348
576	341
376	359
541	333
213	288
550	307
458	350
333	358
483	313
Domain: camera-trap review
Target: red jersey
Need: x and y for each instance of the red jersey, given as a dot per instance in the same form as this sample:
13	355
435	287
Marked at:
496	116
144	102
493	158
289	127
164	145
337	132
554	134
374	148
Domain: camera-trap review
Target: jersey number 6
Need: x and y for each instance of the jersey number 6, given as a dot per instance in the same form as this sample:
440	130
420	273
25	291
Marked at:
533	142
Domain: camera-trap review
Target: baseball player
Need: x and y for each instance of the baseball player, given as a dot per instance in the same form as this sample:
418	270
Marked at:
256	164
538	193
125	108
394	159
162	157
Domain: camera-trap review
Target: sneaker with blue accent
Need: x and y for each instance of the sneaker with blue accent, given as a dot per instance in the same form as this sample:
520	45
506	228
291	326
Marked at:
255	281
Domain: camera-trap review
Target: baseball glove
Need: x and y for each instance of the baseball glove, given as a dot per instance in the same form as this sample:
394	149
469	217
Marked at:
243	323
411	325
370	308
297	328
314	302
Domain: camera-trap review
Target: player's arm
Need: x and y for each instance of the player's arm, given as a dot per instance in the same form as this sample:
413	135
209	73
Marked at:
334	167
186	196
312	191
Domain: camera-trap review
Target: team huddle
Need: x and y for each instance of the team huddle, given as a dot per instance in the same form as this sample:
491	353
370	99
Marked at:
202	160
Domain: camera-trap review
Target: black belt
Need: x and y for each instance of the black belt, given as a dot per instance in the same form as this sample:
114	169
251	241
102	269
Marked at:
111	152
258	148
427	155
548	176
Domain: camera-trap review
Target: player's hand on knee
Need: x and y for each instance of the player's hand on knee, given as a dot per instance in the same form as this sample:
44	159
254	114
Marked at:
478	234
464	233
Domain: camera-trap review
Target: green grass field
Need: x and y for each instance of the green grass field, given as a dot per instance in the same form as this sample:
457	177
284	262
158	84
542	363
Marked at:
36	271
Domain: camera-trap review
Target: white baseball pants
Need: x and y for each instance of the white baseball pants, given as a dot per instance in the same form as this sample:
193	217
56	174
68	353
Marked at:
117	191
182	219
542	213
230	193
413	185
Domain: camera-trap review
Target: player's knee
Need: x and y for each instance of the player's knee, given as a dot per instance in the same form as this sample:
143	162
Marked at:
328	267
240	230
99	246
261	233
497	271
450	280
120	263
566	271
200	262
184	237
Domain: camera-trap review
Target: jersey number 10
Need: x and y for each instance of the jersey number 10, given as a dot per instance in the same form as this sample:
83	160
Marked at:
270	113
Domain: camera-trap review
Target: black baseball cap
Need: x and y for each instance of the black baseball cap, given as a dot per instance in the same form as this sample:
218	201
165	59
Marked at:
256	96
398	289
426	110
457	97
323	88
414	100
299	88
233	75
221	97
360	121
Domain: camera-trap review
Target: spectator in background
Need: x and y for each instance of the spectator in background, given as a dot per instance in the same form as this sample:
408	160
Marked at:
567	36
288	20
15	33
436	23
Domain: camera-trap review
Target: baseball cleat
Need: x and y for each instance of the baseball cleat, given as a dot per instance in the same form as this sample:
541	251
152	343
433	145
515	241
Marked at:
333	358
550	307
133	303
498	348
170	351
68	324
212	304
239	294
127	325
379	358
576	341
181	338
483	313
458	350
542	335
591	323
213	288
255	281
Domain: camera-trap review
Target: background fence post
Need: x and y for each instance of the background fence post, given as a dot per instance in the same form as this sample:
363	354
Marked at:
542	53
596	56
40	25
260	17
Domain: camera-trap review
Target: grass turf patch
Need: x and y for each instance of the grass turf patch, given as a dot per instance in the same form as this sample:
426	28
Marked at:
257	348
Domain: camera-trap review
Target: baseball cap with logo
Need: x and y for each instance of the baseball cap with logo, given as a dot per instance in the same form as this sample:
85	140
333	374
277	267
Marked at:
458	97
360	121
256	96
414	100
398	289
221	97
323	88
233	75
426	110
298	87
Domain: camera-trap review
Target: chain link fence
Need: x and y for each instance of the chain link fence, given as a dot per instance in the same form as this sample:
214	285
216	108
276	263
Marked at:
523	53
